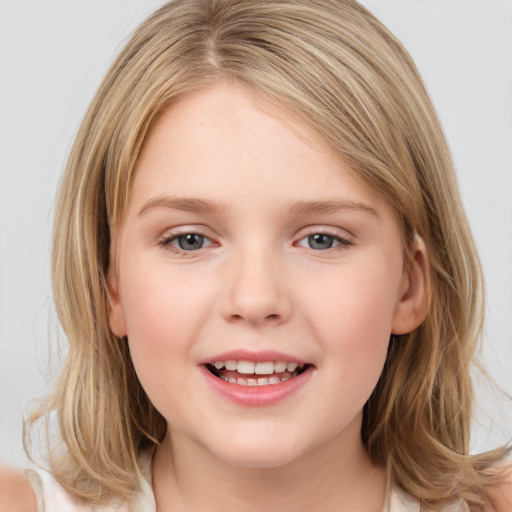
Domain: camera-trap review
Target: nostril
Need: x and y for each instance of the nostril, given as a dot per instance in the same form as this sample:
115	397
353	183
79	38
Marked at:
271	317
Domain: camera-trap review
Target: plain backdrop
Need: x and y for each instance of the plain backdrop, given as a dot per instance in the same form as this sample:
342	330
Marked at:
53	54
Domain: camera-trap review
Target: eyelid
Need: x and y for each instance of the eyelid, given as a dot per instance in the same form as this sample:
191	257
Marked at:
344	242
338	233
170	235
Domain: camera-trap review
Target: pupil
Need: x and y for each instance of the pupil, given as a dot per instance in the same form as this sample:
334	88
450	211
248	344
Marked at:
320	241
190	242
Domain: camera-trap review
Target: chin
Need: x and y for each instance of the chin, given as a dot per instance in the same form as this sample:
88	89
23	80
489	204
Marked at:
256	453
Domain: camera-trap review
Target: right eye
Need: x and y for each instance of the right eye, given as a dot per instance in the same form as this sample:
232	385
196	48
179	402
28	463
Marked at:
186	241
320	241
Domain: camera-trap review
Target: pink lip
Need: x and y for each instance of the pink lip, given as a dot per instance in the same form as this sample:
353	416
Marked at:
256	357
255	396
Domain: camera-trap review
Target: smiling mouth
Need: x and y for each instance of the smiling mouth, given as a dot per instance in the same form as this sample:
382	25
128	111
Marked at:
248	373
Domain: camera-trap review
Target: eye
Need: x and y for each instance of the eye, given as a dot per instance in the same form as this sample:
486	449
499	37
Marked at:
187	241
322	241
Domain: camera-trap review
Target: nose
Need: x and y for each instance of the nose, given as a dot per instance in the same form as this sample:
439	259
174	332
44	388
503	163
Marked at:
256	290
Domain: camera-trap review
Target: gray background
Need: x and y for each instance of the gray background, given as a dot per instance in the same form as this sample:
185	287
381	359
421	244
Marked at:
53	54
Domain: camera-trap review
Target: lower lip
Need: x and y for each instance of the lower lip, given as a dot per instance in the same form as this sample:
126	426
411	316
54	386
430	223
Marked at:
256	396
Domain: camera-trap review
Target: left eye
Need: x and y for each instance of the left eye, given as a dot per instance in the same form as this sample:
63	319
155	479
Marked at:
321	241
188	241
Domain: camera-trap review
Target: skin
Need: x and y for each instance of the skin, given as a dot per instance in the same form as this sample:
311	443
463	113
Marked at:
258	284
16	493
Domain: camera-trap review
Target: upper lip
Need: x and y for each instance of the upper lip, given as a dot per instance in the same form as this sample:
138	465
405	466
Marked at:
256	357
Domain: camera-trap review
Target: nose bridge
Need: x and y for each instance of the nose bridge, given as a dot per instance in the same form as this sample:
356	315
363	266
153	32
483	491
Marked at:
256	289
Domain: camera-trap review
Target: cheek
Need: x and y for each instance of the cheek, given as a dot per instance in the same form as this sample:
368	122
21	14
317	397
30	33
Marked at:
163	319
351	316
356	306
160	308
160	330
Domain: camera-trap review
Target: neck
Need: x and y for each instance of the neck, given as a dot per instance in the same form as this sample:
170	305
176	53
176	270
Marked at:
337	476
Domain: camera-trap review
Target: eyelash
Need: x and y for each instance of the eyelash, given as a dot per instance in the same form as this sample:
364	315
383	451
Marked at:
343	243
166	242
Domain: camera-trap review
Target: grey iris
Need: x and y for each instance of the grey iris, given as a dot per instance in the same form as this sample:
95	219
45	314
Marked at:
191	242
320	241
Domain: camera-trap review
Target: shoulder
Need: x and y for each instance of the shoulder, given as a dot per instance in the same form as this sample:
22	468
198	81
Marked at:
16	494
501	494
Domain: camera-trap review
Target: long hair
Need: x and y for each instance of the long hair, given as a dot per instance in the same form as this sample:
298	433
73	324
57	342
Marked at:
335	67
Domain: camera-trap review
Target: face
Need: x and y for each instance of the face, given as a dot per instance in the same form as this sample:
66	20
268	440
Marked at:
257	280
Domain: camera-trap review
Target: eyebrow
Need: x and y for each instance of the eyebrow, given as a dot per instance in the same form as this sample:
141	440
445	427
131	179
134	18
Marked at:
188	204
329	206
301	206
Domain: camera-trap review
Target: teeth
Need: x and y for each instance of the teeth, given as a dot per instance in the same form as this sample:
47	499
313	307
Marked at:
231	365
262	381
275	372
264	368
280	366
261	368
245	367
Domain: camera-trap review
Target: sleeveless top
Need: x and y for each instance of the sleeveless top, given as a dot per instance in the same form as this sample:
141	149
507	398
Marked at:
52	497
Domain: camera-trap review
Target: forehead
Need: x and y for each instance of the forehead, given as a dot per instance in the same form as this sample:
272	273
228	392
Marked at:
251	116
228	135
231	149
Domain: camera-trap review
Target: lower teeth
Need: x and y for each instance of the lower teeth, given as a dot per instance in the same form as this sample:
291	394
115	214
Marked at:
260	381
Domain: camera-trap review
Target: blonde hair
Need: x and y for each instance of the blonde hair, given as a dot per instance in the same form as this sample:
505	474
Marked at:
334	66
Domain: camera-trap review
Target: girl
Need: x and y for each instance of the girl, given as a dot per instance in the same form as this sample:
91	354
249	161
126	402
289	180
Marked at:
267	281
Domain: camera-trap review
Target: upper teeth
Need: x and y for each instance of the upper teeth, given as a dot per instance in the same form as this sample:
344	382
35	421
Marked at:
261	368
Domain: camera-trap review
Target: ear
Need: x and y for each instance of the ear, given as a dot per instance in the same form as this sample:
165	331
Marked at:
116	318
414	296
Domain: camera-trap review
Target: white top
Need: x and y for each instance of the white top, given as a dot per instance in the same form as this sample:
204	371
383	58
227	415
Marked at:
52	497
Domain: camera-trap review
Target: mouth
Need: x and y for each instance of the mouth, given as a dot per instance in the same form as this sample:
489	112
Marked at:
261	373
